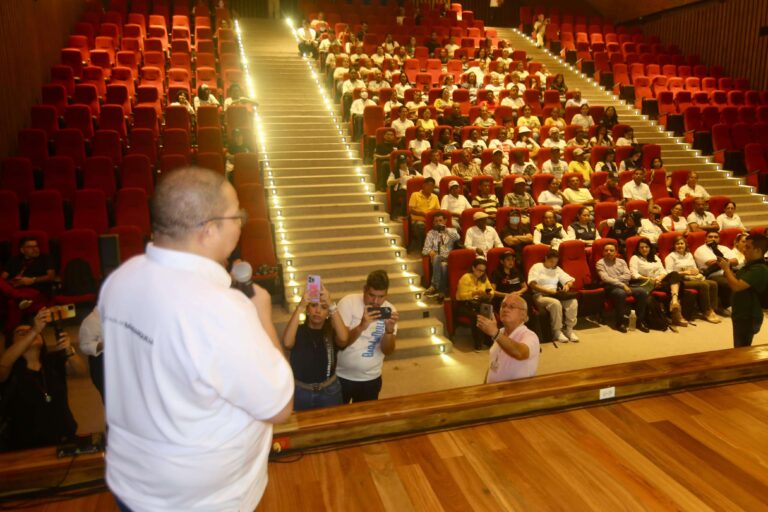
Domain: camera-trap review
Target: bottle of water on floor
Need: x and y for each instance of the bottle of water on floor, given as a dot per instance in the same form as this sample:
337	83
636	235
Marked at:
632	320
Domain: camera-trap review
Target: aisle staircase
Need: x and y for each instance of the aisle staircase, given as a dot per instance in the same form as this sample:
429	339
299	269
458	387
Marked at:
327	217
674	151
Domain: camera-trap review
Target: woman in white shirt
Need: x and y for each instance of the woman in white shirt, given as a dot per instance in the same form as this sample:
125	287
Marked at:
681	261
729	218
205	97
602	137
398	181
401	87
552	196
675	220
739	246
646	266
583	118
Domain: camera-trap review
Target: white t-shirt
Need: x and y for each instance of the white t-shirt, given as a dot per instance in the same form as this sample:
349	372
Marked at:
675	262
631	191
419	146
455	205
649	230
191	375
726	222
704	254
90	336
671	224
548	277
697	191
701	220
553	200
401	126
436	171
560	143
362	360
504	367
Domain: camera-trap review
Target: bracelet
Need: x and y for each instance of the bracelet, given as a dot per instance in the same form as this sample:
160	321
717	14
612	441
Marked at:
497	335
333	308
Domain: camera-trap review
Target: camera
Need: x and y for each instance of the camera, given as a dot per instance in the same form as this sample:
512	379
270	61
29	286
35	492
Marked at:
716	250
386	312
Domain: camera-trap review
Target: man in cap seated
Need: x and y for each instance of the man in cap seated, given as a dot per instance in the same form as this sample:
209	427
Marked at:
480	237
455	202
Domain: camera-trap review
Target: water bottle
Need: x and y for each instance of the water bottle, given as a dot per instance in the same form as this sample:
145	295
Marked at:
632	320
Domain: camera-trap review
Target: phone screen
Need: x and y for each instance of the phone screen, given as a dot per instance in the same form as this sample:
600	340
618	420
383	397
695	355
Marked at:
313	288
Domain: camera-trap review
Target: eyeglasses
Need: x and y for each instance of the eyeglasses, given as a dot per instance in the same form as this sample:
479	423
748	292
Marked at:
242	216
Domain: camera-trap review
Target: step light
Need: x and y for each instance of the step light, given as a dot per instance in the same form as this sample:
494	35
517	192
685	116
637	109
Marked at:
442	349
392	241
433	330
404	267
289	263
410	280
397	255
418	296
386	230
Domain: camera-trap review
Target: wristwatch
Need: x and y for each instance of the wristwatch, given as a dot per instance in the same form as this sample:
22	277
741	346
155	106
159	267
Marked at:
333	308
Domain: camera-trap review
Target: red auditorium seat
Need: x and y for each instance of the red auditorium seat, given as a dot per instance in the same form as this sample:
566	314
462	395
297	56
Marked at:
78	117
17	177
253	200
80	244
56	96
46	118
573	260
137	173
99	174
94	75
146	117
63	75
46	212
246	169
59	174
70	142
90	211
132	209
213	161
256	247
130	240
176	142
10	221
143	142
209	140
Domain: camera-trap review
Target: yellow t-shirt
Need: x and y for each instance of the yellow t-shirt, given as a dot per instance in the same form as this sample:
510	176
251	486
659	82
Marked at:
468	285
583	167
421	203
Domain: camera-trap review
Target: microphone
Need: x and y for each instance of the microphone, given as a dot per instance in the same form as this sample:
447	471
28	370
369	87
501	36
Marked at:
242	275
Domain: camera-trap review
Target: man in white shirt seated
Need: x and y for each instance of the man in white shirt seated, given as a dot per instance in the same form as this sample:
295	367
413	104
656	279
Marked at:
413	106
692	188
356	110
706	257
515	351
514	99
545	280
347	88
525	168
651	227
576	100
637	189
628	139
480	237
400	125
307	40
701	219
514	81
435	169
503	142
578	195
496	168
554	165
554	140
495	84
377	83
419	145
195	374
451	47
455	203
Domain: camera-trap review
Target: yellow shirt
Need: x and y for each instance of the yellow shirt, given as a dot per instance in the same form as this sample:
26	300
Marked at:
468	285
428	125
583	167
424	204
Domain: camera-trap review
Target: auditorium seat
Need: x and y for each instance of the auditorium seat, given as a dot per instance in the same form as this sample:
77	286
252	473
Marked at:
46	212
90	211
130	241
59	174
99	174
81	244
10	221
132	209
17	176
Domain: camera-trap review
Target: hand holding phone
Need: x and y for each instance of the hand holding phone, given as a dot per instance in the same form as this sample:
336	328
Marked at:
313	288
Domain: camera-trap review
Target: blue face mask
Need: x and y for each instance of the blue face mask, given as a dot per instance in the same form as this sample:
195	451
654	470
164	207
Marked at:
514	221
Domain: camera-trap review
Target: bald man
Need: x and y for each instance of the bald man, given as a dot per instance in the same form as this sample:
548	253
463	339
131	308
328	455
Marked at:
194	374
515	352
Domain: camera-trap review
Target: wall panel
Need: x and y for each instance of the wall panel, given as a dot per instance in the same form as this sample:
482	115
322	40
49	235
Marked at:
31	34
723	33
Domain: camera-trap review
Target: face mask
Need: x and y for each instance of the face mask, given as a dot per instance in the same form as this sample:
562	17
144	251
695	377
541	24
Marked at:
514	221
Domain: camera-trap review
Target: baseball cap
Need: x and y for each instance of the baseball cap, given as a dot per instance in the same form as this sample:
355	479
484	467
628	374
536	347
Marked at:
524	129
453	184
479	215
519	180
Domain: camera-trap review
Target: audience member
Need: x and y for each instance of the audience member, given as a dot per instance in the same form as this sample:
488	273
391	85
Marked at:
439	242
729	218
28	277
581	165
558	84
554	165
514	99
580	141
526	141
576	100
707	256
415	104
692	188
515	350
749	285
681	261
480	237
583	118
402	86
204	97
235	96
420	144
371	337
551	286
610	118
516	234
307	40
398	184
648	269
616	277
524	168
474	289
628	139
603	138
401	125
455	202
381	156
739	250
552	196
435	169
549	232
540	29
419	204
519	197
183	100
623	228
466	168
637	189
633	162
675	220
652	228
554	140
484	120
530	121
575	194
701	219
314	346
555	119
496	168
356	110
486	200
35	397
583	228
609	192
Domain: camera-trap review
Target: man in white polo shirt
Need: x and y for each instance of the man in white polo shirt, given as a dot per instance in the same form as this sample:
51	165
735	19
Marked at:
515	351
637	189
371	337
194	374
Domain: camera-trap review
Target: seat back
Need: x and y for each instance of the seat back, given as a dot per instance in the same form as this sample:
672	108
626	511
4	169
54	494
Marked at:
132	209
90	211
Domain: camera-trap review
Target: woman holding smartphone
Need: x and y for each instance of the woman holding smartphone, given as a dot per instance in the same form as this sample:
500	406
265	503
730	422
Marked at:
474	290
313	346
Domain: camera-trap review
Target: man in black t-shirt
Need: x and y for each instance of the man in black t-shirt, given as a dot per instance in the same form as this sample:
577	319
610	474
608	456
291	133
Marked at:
381	156
26	280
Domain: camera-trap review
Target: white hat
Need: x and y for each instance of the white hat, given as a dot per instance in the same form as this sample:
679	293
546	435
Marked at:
479	215
524	129
452	184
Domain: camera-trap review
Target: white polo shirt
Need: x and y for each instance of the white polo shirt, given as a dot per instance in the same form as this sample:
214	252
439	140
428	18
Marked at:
362	360
190	376
632	190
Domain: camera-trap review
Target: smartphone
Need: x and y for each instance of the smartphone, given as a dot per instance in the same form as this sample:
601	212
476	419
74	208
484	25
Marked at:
313	288
63	312
716	250
91	443
386	312
487	310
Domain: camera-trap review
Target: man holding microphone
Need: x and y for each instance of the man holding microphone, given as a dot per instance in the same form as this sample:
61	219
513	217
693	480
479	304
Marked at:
194	374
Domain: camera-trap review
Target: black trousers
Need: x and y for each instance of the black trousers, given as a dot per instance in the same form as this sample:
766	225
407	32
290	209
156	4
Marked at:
360	391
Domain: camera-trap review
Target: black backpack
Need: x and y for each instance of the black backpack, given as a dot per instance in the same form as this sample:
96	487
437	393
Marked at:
78	278
655	317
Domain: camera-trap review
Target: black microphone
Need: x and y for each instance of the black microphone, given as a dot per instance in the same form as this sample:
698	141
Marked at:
242	275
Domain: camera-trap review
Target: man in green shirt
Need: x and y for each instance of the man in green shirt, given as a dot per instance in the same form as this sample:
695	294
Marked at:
748	284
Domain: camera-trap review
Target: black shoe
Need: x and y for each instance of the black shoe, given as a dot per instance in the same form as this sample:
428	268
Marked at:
642	327
621	328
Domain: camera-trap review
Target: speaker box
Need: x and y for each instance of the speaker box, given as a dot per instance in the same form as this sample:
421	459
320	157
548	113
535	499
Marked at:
588	68
571	57
109	250
606	80
555	47
628	93
650	108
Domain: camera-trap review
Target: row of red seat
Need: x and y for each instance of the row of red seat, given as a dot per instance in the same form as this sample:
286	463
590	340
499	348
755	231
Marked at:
735	137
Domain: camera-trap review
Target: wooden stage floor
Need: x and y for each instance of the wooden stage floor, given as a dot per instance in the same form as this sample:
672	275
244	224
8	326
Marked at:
704	449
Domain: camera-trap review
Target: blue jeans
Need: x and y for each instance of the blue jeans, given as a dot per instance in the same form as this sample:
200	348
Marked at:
744	329
440	273
619	297
304	399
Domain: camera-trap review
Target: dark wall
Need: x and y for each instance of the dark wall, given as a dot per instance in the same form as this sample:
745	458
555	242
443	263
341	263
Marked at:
623	10
720	32
31	34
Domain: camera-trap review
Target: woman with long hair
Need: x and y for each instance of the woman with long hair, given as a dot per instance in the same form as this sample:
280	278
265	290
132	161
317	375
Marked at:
313	346
473	290
645	266
681	261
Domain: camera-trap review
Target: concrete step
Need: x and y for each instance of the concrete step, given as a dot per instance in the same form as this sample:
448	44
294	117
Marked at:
418	347
336	218
300	246
367	226
389	264
279	163
341	181
291	194
351	208
307	259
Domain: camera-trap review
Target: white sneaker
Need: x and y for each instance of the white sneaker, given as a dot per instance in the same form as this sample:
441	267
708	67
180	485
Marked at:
572	336
562	338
